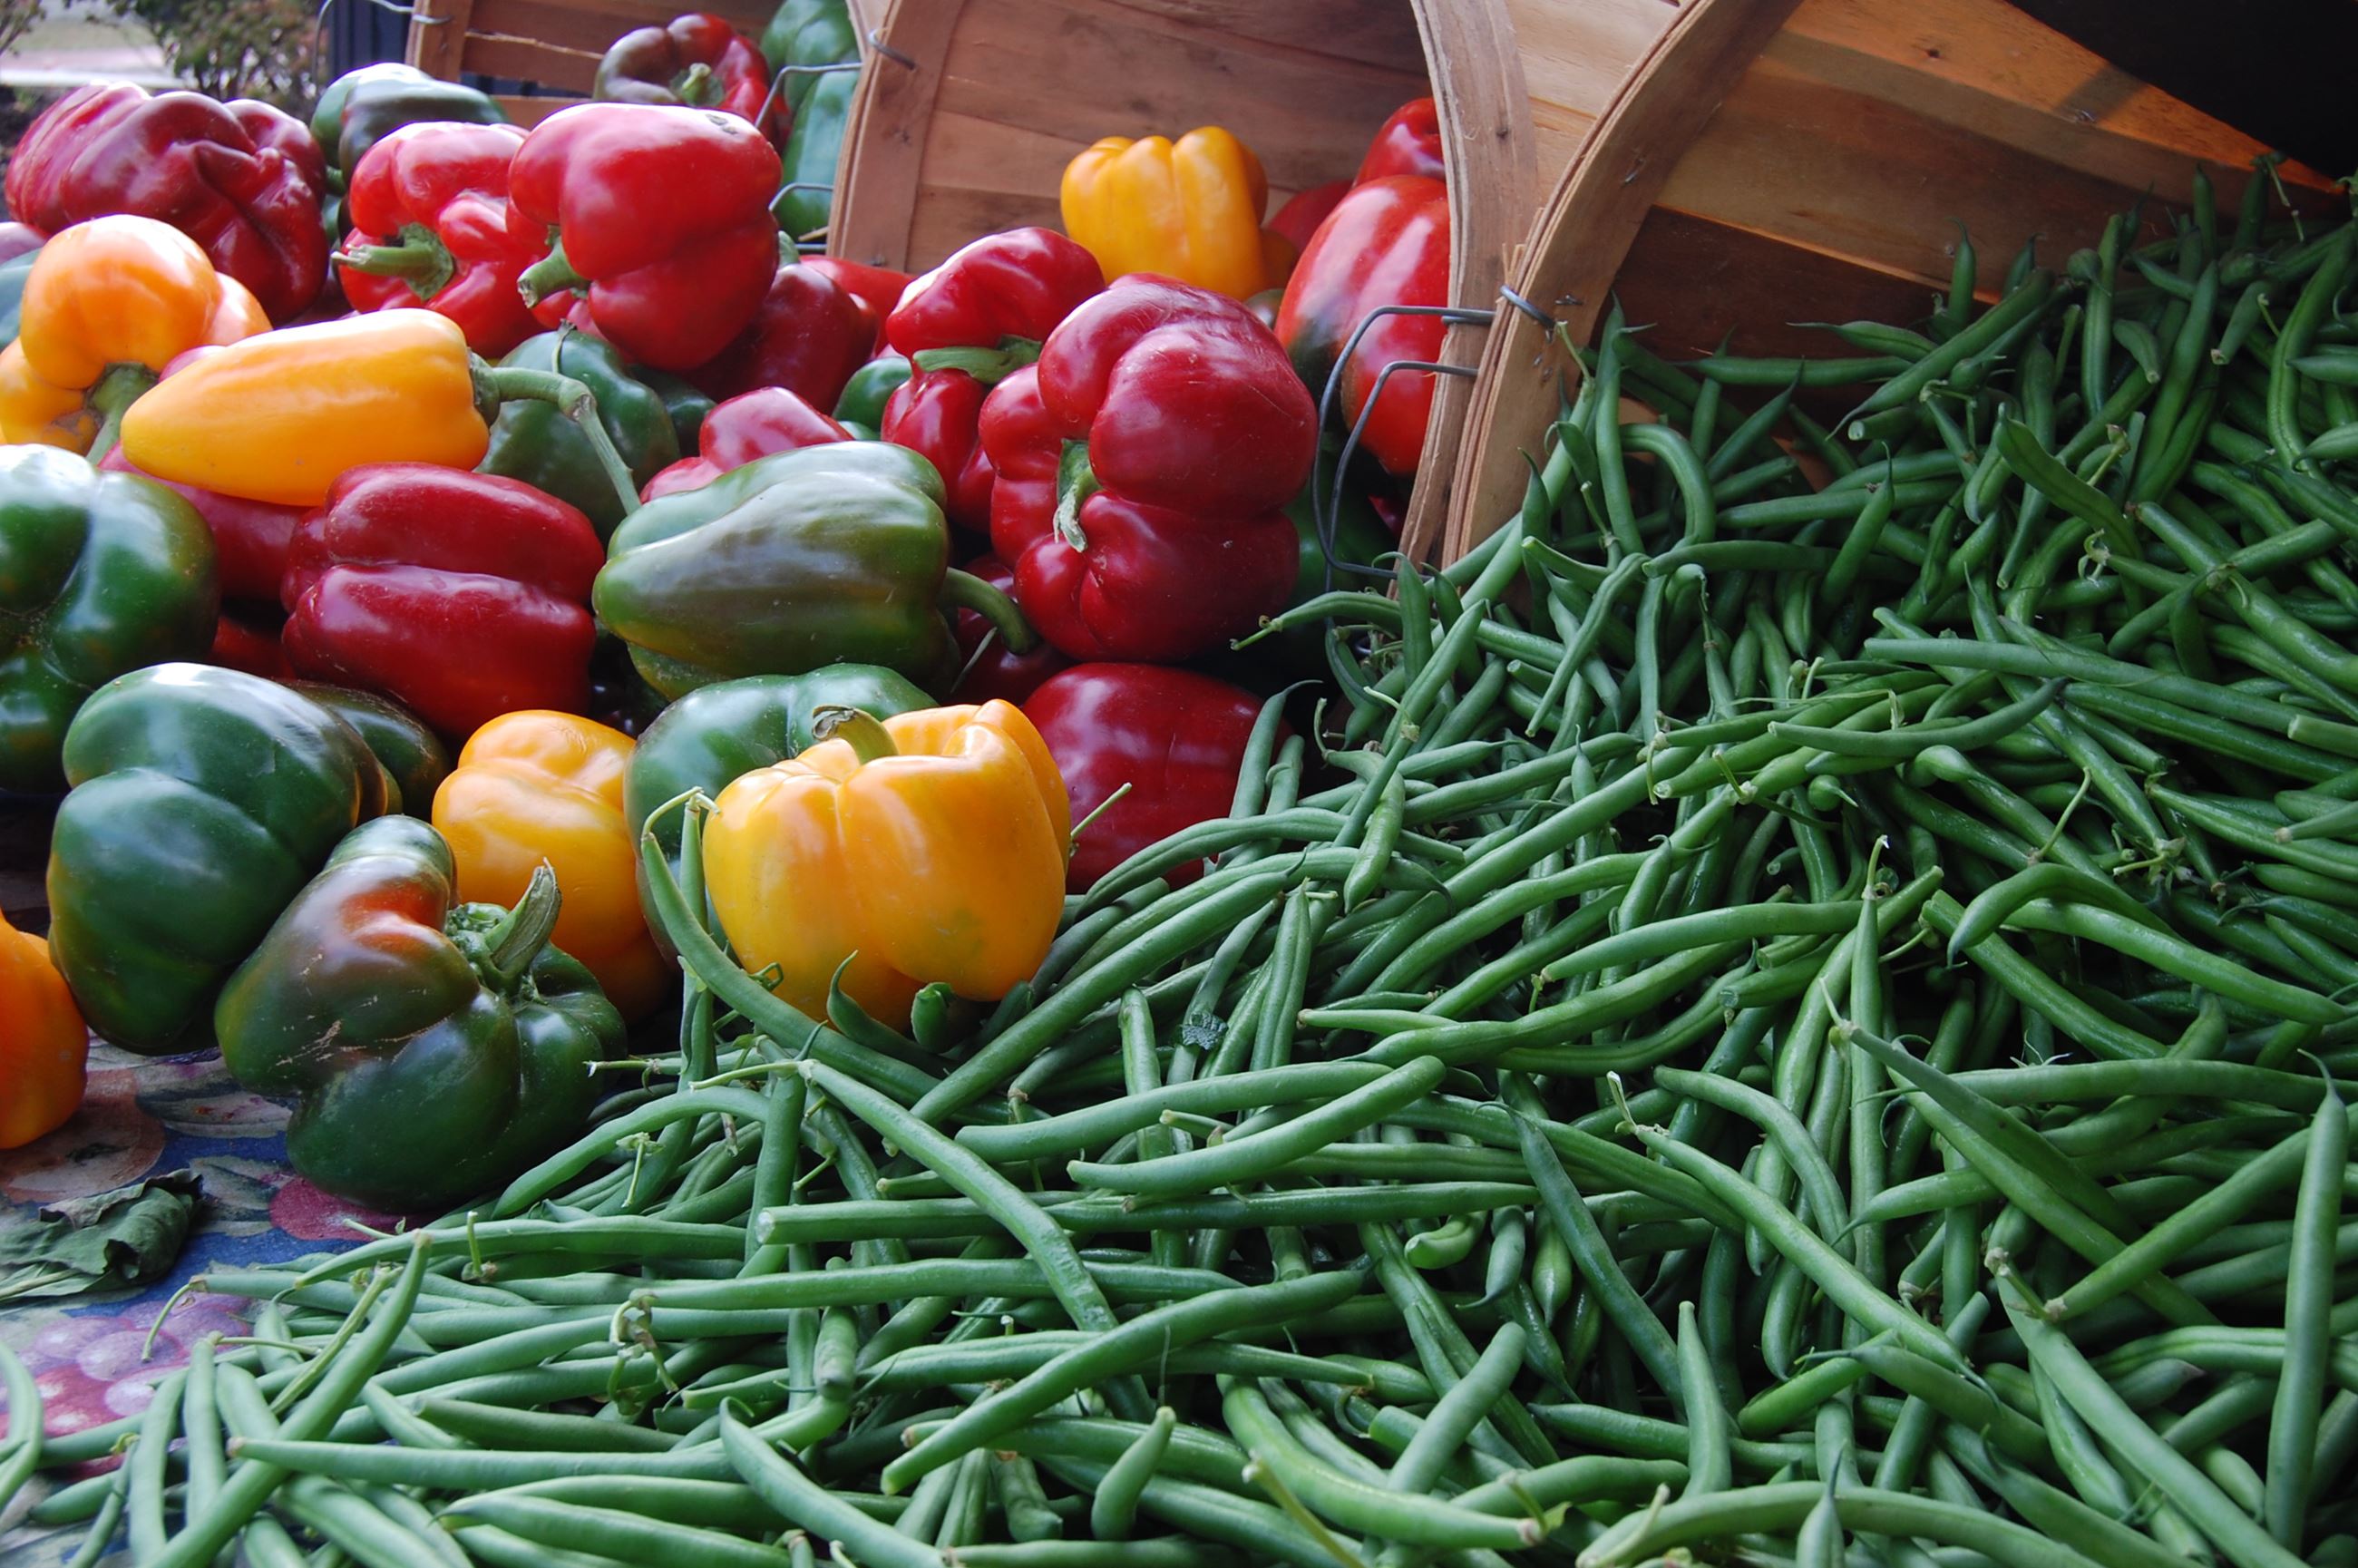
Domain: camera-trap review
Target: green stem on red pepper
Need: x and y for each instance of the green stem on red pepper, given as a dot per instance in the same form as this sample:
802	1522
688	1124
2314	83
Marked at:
989	366
964	590
419	260
552	273
1075	482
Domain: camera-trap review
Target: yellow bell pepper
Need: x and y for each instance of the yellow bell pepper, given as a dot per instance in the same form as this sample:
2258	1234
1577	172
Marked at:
44	1046
1189	210
928	847
107	305
537	786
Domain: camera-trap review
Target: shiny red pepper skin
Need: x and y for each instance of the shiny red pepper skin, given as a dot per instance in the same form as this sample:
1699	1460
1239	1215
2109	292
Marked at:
1305	209
996	672
750	425
1152	583
936	412
462	596
1408	143
664	214
439	192
241	179
249	537
807	334
658	65
1175	737
242	644
878	287
1385	244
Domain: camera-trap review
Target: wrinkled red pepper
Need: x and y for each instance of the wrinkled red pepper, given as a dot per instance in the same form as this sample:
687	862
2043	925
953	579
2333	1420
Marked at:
750	425
249	537
1175	737
698	59
429	208
1386	243
997	671
241	179
965	326
462	596
1143	465
1408	143
806	334
877	288
661	215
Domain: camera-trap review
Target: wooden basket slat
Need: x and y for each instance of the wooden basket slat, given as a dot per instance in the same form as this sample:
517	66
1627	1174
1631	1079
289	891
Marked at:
529	59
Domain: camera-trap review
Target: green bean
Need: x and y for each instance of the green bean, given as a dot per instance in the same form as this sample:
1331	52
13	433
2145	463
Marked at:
2309	1301
20	1455
1644	1536
145	1464
573	1527
1593	1256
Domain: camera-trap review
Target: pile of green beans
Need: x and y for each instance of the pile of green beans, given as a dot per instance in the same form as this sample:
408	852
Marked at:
1791	1007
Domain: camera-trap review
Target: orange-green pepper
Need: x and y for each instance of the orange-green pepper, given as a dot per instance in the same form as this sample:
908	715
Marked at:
44	1046
281	416
108	306
927	847
1189	210
536	786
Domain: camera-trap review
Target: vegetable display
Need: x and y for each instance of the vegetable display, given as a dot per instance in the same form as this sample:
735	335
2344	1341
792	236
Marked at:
1189	210
697	60
428	212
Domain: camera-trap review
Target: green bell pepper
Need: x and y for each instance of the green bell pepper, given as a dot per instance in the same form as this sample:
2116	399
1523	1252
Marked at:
432	1052
414	758
203	799
13	274
100	573
362	107
824	554
870	387
815	43
537	443
686	402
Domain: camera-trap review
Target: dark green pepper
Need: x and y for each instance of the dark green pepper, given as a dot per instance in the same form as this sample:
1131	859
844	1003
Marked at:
816	46
537	443
374	108
203	800
13	274
870	387
100	573
717	732
824	554
414	758
686	402
432	1052
328	113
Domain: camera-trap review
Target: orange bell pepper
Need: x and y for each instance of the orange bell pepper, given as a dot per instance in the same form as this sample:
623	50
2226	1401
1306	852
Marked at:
539	786
925	847
44	1046
108	306
1189	210
281	416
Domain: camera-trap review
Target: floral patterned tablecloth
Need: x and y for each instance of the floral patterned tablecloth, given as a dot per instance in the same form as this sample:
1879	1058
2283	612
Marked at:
143	1116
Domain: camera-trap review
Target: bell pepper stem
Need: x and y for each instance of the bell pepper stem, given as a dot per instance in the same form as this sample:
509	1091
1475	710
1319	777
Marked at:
989	367
1075	482
867	737
576	403
697	86
420	259
552	273
964	590
117	390
512	945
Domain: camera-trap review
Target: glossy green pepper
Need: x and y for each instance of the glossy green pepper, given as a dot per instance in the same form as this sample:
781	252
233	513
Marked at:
715	734
203	799
13	274
432	1052
815	44
363	107
414	758
535	443
686	402
100	573
870	387
824	554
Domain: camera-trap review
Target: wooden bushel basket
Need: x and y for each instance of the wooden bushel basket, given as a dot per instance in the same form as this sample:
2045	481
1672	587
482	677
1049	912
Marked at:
1773	162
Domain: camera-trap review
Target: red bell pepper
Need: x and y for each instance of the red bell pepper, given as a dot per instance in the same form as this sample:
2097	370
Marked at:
428	207
1305	211
1175	737
807	334
249	537
241	179
698	59
878	287
997	671
750	425
1386	243
239	643
965	326
1408	143
661	215
462	596
1142	467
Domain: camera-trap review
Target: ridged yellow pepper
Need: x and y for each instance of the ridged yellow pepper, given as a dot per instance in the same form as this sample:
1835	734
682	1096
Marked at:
108	303
44	1046
536	786
925	847
280	417
1189	210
